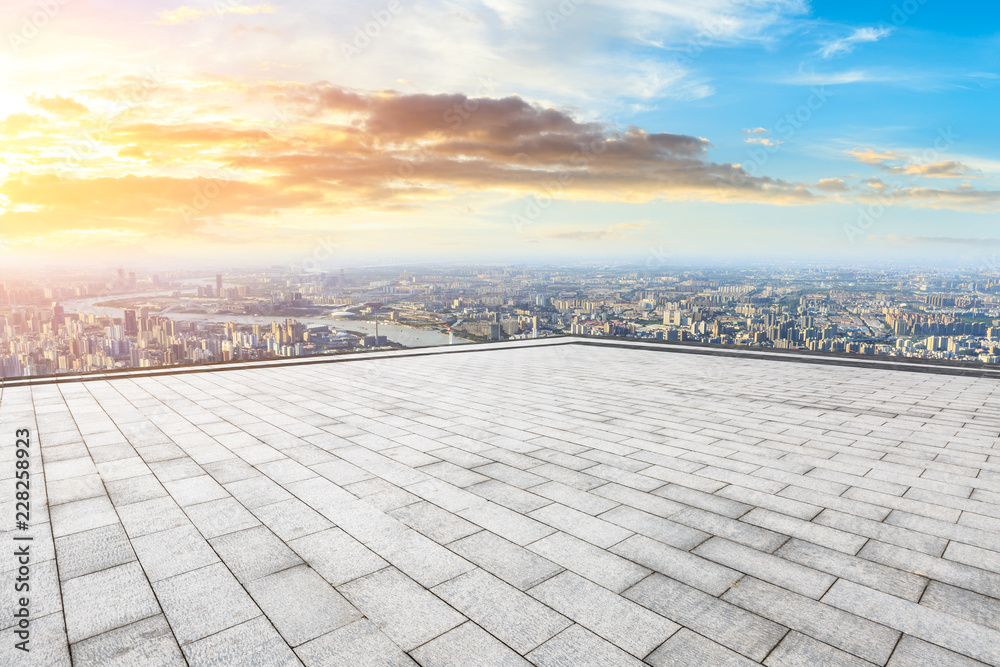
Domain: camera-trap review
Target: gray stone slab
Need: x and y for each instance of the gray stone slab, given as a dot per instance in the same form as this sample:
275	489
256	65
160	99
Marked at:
502	610
359	644
819	620
778	571
219	517
203	602
584	501
737	531
465	645
797	649
151	516
172	552
81	515
292	519
301	604
660	529
720	621
839	540
576	646
931	625
517	528
969	605
145	642
254	643
440	525
254	553
613	572
93	550
579	524
680	565
99	602
515	565
912	652
337	556
874	575
629	626
509	496
406	612
688	649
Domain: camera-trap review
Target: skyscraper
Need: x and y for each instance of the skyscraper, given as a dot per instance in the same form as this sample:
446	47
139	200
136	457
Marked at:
218	285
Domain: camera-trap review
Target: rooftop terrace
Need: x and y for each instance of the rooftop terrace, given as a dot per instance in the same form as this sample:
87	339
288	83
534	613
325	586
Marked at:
547	503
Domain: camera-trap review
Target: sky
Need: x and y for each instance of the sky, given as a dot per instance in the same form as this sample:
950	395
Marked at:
325	132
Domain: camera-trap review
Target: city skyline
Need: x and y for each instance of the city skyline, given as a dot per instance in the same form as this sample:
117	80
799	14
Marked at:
157	132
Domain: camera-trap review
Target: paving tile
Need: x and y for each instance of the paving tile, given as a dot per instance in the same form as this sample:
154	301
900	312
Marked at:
99	602
912	652
577	646
301	604
874	575
596	531
291	519
81	515
254	643
627	625
515	565
502	610
688	649
406	612
950	572
613	572
202	602
677	564
93	550
337	556
517	528
145	642
883	532
971	606
254	553
838	540
773	569
737	531
359	644
720	621
797	649
172	552
440	525
955	634
650	525
47	642
820	620
219	517
466	644
134	489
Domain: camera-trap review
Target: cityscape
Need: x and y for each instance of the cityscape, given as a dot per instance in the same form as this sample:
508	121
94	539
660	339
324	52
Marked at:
120	319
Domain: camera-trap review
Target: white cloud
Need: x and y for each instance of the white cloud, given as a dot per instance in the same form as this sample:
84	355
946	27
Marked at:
846	45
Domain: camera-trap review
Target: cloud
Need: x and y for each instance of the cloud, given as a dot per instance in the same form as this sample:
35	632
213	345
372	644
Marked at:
763	141
846	45
944	169
869	156
908	166
184	14
936	240
57	105
611	233
831	185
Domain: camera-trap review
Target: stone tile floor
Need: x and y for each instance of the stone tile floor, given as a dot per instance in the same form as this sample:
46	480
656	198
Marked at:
551	505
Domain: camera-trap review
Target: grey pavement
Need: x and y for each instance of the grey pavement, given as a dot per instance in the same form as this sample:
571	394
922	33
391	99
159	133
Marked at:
546	504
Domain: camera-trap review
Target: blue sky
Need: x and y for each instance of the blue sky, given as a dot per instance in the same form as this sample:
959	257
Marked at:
717	128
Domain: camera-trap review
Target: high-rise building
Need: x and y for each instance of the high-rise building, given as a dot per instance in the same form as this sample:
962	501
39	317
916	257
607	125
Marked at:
131	324
218	285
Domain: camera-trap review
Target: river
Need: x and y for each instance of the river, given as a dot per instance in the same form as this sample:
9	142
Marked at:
406	336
